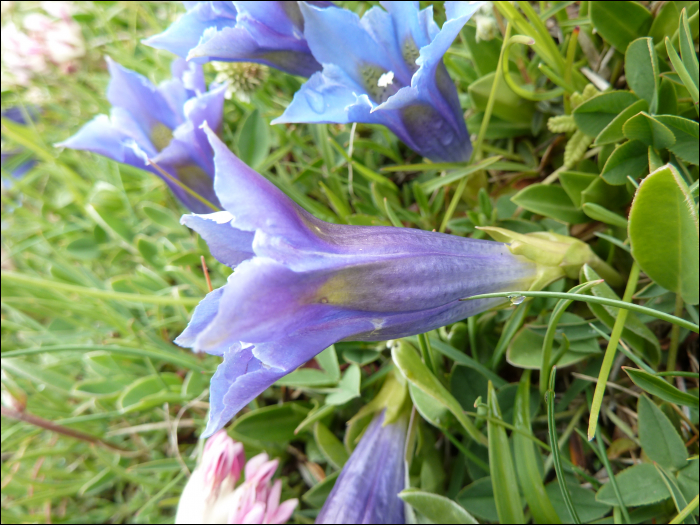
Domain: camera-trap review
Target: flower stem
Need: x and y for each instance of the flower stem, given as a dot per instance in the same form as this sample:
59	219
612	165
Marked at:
610	352
675	336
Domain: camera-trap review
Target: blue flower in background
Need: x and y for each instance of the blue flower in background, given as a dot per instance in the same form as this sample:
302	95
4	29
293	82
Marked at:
302	284
386	68
16	162
160	124
270	33
367	488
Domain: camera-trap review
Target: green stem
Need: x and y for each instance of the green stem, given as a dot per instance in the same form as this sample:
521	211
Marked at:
476	154
596	300
602	455
471	330
610	352
425	352
675	336
555	451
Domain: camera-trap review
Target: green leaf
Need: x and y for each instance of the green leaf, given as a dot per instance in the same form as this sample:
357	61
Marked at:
687	133
467	384
273	424
574	183
659	439
678	498
146	392
99	388
665	23
668	98
525	459
316	496
505	484
161	216
646	129
639	485
330	446
254	139
479	500
598	112
688	479
550	201
414	370
660	388
84	248
642	71
639	337
438	509
429	409
620	22
598	213
612	197
484	53
525	351
628	160
508	106
683	73
612	133
685	39
663	231
587	508
348	387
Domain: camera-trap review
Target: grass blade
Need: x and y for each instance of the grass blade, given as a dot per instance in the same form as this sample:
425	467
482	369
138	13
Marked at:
505	484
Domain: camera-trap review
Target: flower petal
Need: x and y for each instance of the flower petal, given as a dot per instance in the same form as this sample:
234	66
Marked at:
186	32
227	244
137	95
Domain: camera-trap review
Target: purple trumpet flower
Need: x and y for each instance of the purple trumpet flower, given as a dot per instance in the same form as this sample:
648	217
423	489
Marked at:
160	125
270	33
386	68
368	486
302	284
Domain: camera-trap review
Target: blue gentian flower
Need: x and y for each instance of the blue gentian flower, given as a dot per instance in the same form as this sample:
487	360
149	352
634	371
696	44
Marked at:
270	33
160	125
386	68
367	488
301	284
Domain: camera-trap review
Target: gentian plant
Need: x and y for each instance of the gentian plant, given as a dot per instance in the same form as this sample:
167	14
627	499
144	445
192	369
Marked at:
157	128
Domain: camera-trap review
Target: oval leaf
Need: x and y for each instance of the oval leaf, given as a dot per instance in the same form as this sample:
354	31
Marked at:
550	201
639	485
629	159
649	131
437	509
659	439
620	22
642	70
595	114
663	231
